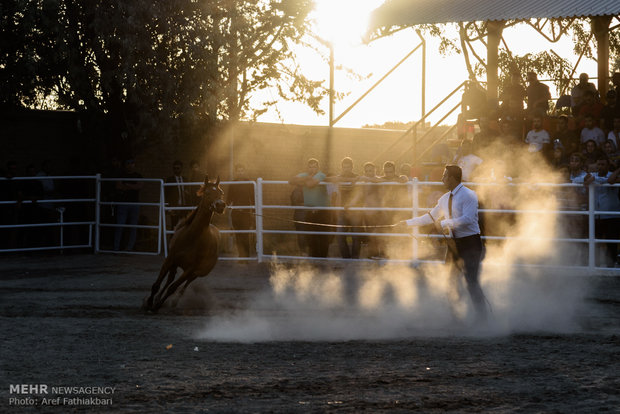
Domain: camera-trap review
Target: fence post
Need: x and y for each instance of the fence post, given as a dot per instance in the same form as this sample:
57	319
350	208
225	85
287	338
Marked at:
591	233
415	206
97	210
259	219
162	212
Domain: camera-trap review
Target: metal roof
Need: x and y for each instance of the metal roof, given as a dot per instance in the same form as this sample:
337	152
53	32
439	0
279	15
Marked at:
414	12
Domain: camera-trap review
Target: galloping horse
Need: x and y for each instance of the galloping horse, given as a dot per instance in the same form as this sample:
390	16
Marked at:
193	247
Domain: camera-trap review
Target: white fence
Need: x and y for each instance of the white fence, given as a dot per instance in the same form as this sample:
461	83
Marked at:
98	217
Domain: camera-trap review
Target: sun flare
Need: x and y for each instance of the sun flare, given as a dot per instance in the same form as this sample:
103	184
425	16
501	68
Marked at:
343	22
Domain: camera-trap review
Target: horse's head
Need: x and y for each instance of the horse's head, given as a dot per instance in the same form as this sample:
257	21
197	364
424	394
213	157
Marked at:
212	195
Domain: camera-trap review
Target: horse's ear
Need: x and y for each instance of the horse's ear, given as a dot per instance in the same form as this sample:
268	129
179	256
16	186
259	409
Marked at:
218	181
206	179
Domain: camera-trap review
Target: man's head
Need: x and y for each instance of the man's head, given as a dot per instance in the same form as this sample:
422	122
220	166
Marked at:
589	97
562	124
389	169
575	161
537	123
452	176
609	147
370	169
130	165
532	77
583	78
602	165
177	167
588	122
590	146
346	165
313	166
617	123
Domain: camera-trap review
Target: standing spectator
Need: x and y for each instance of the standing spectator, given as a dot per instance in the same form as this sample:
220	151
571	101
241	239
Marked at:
538	96
567	137
368	195
242	219
348	218
606	199
514	93
610	150
474	101
176	195
537	138
315	195
405	169
591	132
391	196
128	191
610	111
467	160
579	91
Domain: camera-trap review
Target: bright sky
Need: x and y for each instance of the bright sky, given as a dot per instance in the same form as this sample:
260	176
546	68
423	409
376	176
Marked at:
398	98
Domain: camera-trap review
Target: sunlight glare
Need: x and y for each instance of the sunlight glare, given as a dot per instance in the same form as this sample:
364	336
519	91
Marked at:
343	22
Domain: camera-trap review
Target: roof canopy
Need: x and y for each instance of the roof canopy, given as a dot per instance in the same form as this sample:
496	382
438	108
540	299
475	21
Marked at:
414	12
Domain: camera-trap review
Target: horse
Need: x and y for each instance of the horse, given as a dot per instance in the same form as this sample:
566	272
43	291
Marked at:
193	248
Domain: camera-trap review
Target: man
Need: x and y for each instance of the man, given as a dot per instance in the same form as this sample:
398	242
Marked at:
459	209
538	138
391	196
128	192
315	195
176	195
566	136
242	219
606	199
591	132
579	91
538	96
609	112
345	181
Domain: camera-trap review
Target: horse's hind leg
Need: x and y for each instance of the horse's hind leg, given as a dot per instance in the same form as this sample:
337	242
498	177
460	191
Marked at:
187	275
165	268
171	274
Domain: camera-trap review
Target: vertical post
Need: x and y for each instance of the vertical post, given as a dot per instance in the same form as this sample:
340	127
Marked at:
332	94
591	233
494	31
423	74
600	29
159	222
415	207
97	210
259	219
162	208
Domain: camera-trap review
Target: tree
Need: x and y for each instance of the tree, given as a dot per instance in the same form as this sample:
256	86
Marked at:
140	72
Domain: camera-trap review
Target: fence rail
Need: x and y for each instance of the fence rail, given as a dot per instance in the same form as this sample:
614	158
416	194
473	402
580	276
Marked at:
93	222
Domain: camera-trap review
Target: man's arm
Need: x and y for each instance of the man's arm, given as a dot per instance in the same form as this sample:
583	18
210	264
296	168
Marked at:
470	209
423	220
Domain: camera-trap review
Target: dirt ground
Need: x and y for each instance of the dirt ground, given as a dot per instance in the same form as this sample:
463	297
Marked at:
75	321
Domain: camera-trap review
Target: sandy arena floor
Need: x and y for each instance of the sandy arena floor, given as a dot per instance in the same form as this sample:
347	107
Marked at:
241	342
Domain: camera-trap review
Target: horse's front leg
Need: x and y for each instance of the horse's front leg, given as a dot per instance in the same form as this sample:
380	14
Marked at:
165	268
185	276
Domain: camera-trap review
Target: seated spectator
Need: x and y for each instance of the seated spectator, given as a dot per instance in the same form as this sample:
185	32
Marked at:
567	137
591	152
575	165
610	111
558	157
614	134
610	150
591	132
590	107
537	138
538	96
579	90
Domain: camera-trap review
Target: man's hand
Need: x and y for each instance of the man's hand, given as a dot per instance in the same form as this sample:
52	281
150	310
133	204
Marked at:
445	227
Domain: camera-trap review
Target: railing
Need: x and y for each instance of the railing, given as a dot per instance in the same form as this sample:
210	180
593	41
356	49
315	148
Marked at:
266	212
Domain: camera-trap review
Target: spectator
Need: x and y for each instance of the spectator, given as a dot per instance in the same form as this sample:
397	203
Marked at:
610	111
391	196
315	195
591	153
537	138
345	181
474	101
538	96
615	80
575	165
614	134
242	219
467	160
128	191
591	132
405	169
606	199
558	157
578	92
591	106
610	150
369	196
567	137
514	93
176	195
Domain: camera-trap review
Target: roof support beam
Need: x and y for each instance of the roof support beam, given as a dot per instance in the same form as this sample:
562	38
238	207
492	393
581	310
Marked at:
494	36
600	29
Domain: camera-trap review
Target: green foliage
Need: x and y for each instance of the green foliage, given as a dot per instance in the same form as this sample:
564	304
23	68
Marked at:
146	70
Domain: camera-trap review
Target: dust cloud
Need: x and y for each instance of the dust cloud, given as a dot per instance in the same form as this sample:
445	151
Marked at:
388	301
